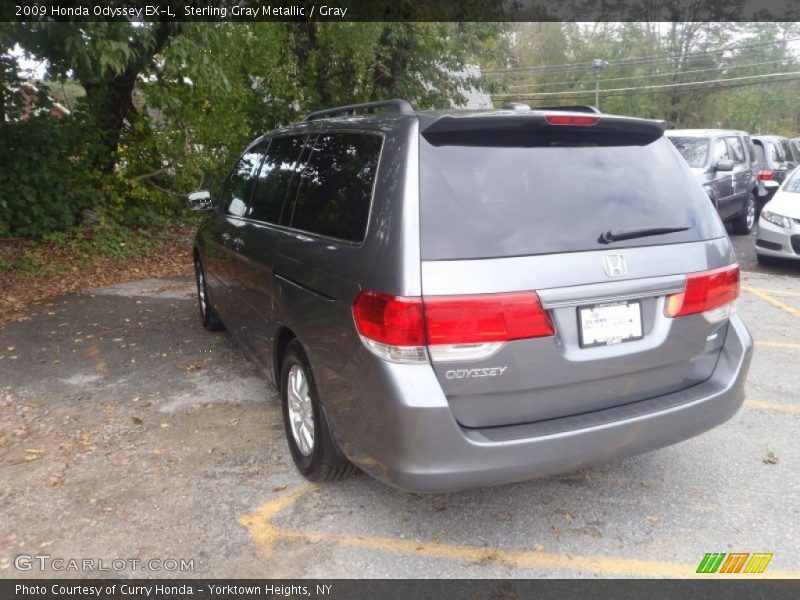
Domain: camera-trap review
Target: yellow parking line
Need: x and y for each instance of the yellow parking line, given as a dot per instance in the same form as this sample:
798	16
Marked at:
774	301
265	533
770	291
792	409
778	344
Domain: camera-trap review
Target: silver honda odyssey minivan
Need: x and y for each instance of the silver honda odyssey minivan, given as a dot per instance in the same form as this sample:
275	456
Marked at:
457	299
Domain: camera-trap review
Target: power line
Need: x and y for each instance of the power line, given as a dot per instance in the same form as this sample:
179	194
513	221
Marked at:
633	61
649	76
662	89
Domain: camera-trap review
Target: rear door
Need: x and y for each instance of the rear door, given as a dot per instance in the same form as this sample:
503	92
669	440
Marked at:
722	180
275	182
741	174
517	209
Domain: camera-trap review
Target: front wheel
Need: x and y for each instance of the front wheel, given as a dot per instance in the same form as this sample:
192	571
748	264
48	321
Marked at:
310	440
743	224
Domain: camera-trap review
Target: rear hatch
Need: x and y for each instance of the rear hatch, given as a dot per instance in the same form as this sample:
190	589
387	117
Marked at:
576	232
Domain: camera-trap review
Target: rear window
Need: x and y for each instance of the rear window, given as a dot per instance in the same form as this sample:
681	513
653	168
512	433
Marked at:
693	149
336	186
760	152
486	202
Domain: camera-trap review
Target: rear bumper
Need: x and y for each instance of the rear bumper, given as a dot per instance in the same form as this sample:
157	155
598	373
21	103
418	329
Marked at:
402	431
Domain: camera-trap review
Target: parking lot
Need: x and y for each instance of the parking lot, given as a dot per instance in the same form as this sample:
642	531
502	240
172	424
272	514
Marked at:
128	432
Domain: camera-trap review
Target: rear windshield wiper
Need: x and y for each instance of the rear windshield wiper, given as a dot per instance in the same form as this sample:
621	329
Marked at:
616	235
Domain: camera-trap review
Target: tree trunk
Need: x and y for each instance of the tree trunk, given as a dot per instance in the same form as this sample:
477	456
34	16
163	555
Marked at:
111	100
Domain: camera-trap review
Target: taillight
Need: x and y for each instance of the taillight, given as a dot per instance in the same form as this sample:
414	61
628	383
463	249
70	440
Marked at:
392	320
452	327
711	293
765	175
486	318
571	120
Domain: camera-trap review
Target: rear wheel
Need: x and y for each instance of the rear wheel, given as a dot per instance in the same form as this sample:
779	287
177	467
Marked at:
207	313
743	224
310	440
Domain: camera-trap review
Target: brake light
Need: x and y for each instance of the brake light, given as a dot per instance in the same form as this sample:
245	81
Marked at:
485	318
571	120
391	320
765	175
711	293
453	327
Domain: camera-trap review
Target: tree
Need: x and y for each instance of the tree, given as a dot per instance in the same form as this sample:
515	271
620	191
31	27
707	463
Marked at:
107	60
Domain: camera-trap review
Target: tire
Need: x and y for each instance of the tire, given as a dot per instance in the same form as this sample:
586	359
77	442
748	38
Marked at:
314	451
744	223
208	315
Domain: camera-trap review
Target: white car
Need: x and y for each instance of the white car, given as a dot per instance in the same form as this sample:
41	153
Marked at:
779	227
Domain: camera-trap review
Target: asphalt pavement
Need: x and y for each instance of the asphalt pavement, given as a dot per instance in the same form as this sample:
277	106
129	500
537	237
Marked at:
129	432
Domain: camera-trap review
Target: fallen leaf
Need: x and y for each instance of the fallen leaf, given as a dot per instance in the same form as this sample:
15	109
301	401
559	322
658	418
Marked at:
568	517
136	419
653	519
538	548
279	488
770	459
556	529
46	544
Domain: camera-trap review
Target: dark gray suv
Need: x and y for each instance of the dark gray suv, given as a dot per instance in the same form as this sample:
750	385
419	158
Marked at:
725	164
456	299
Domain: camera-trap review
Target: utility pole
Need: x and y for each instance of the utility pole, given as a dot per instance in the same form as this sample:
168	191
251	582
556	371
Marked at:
598	64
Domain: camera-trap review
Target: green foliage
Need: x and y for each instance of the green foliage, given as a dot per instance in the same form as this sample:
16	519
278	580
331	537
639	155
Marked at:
44	182
160	109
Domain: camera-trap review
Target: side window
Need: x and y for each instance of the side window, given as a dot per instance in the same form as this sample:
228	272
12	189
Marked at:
736	150
234	196
720	151
336	186
751	149
274	178
776	152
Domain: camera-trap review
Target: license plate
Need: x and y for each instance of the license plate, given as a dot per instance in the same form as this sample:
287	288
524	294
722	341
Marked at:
610	323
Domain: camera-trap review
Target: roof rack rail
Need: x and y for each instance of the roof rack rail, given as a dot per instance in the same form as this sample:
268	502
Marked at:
570	108
397	106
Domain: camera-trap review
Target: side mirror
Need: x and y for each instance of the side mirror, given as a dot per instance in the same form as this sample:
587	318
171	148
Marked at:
200	201
724	165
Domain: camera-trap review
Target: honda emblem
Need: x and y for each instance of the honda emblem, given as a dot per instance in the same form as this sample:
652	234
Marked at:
614	265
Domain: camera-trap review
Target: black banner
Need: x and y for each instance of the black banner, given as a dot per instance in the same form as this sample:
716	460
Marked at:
400	10
260	589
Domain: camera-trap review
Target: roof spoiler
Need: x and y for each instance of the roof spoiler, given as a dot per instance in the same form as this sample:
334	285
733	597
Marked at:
532	129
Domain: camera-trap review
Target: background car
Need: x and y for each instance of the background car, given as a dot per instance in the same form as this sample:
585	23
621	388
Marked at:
779	228
725	164
775	160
